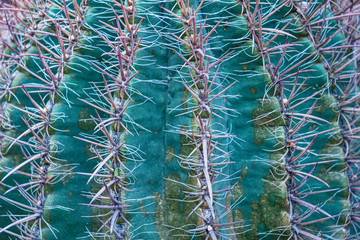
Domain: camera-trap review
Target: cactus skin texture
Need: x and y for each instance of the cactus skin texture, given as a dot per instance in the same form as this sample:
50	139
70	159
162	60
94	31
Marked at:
228	119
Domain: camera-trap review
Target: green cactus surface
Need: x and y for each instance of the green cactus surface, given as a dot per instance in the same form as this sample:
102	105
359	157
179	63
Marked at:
180	119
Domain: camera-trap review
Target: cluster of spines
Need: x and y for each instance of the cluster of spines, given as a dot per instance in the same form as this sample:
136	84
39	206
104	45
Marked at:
37	143
347	8
115	94
203	161
21	44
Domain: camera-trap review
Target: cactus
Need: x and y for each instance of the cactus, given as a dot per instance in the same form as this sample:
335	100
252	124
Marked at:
179	119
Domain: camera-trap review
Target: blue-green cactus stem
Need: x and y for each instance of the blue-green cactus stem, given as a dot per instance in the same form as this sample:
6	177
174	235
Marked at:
135	137
273	115
115	153
349	105
202	159
343	89
277	73
39	124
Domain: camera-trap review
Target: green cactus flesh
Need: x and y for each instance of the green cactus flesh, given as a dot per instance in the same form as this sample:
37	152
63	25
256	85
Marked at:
124	119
